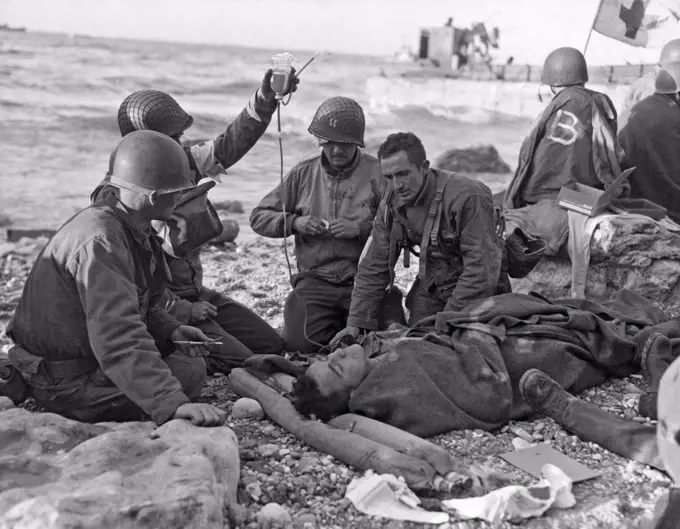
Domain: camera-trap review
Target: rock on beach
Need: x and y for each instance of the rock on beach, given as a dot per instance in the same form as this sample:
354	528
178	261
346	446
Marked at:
632	253
479	159
247	409
58	473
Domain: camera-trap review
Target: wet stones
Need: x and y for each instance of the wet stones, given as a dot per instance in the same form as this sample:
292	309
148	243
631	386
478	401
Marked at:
247	409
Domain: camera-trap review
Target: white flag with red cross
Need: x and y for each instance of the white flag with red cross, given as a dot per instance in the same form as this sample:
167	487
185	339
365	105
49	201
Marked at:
641	23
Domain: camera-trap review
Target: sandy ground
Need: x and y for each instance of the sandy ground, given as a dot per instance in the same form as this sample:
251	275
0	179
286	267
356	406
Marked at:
276	467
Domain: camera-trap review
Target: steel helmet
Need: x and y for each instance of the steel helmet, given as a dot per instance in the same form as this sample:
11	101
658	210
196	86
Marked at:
339	119
150	163
564	67
152	110
670	52
668	79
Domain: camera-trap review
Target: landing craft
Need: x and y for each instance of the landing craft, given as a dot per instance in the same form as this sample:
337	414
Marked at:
459	66
7	27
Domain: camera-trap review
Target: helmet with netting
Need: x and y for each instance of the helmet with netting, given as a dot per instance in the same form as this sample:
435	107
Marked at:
152	110
339	119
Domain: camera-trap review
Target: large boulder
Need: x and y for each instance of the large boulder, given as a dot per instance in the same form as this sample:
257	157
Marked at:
481	159
626	252
58	473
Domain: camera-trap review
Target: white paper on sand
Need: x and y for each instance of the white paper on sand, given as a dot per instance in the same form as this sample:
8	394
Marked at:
388	496
515	503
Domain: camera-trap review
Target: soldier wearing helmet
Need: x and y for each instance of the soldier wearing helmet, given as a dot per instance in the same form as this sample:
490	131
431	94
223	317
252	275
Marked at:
328	203
239	329
453	221
645	85
90	342
573	141
651	137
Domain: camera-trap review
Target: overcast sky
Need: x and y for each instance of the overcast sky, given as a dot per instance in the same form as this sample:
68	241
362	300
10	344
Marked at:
530	29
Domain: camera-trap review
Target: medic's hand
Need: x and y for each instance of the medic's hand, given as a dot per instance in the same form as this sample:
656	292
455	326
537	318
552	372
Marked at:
202	311
344	229
201	414
350	331
186	333
266	91
309	225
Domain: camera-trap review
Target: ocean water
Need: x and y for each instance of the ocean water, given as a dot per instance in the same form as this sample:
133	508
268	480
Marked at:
59	96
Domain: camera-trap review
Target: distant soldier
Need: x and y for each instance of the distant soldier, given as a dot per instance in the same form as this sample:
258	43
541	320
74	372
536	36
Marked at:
651	142
645	86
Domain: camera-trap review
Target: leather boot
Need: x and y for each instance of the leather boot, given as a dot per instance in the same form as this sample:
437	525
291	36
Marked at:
545	395
657	354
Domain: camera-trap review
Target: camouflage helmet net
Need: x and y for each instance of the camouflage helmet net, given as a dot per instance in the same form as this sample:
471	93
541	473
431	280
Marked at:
339	119
152	110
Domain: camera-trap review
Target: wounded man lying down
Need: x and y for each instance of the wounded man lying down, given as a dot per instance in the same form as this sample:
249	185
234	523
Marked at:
461	370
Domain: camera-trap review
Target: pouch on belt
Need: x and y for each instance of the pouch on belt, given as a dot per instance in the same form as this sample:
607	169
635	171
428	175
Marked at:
12	384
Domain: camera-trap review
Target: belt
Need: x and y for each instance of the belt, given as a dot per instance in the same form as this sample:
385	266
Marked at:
302	275
31	364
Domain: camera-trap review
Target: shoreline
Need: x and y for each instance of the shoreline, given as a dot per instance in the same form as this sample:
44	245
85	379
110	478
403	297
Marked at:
220	196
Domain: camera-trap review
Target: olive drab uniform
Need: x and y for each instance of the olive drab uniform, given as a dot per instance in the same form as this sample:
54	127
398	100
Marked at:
241	331
91	342
319	304
461	257
644	87
650	140
326	264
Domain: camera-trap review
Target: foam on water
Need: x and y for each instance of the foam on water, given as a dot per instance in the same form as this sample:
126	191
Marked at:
60	95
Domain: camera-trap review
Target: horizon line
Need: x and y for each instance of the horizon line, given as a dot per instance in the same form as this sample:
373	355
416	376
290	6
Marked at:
8	28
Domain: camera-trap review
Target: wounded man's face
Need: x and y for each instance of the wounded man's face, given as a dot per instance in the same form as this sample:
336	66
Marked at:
342	371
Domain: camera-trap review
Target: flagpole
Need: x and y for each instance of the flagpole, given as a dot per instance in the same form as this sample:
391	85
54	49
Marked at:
592	25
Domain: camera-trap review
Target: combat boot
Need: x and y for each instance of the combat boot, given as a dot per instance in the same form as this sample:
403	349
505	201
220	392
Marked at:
656	356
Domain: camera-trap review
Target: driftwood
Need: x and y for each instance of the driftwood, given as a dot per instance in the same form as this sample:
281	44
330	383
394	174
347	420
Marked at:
415	459
16	234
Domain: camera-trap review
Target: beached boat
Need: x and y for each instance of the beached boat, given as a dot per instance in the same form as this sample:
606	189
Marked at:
453	69
7	27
